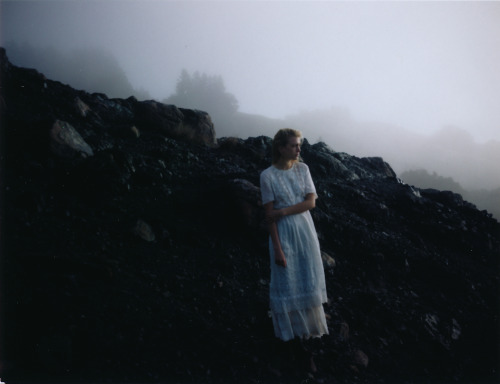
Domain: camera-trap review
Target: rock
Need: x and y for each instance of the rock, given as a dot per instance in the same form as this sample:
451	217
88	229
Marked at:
135	132
144	231
379	167
198	126
347	167
360	359
81	108
176	123
65	141
431	323
344	331
152	115
456	330
328	261
331	163
444	197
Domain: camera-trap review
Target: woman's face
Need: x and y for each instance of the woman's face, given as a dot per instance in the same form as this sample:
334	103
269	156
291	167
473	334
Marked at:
291	150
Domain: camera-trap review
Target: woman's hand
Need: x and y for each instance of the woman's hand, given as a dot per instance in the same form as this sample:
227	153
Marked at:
279	258
274	215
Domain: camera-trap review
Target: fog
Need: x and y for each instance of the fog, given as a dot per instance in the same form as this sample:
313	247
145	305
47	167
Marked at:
414	82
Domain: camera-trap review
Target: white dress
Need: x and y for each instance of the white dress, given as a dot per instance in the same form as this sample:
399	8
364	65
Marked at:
297	291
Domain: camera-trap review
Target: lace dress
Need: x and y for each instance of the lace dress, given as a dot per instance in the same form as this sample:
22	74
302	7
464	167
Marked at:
297	291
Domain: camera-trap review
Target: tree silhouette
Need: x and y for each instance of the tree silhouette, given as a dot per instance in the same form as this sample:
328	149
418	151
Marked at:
204	92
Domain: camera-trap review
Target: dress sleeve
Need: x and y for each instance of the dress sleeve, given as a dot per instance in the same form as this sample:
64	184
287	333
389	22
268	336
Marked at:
266	189
309	185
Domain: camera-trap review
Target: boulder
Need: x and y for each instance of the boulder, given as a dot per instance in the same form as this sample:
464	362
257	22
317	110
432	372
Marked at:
66	142
197	126
175	123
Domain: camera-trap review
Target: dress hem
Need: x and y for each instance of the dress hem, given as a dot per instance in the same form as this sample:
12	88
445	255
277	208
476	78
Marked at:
304	324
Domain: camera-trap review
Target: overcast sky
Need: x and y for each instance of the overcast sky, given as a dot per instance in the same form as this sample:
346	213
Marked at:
418	65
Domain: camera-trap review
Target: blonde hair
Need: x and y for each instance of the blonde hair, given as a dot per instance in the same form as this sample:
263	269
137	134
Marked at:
281	139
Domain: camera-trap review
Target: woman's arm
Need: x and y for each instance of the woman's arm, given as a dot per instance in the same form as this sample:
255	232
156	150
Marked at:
306	205
279	256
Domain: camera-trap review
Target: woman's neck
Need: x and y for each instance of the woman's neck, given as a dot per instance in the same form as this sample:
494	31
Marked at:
284	164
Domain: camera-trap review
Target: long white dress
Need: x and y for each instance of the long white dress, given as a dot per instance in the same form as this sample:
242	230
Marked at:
297	291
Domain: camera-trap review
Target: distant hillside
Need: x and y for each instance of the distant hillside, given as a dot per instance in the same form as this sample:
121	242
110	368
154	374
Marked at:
483	199
90	69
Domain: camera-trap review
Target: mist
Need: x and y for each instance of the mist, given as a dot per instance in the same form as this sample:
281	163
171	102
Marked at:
416	83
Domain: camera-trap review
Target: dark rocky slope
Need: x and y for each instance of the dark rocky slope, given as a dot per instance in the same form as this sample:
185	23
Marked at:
133	251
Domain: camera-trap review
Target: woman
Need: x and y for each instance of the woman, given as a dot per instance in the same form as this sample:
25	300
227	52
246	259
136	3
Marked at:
297	288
